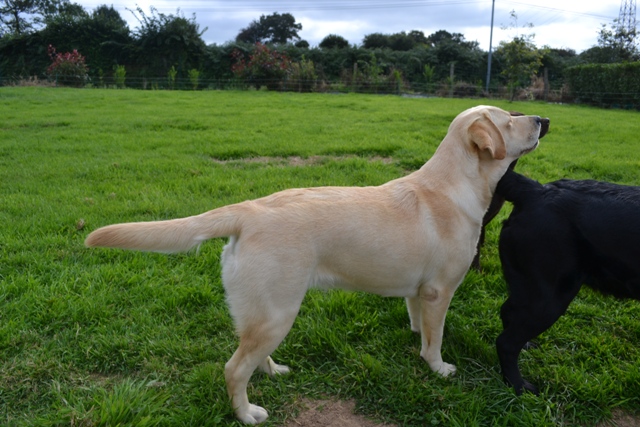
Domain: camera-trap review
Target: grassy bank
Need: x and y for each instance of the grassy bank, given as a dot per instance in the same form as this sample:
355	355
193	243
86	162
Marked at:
101	337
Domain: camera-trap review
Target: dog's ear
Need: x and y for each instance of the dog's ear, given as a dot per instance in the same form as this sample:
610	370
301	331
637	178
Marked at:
486	135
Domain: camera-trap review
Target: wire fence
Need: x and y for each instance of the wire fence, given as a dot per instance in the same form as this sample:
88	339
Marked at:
625	100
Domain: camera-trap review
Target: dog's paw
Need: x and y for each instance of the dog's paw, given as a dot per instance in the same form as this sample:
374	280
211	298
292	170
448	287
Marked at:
444	369
253	415
271	368
280	369
526	386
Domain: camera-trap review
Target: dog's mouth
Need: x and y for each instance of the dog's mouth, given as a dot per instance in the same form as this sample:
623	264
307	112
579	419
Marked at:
530	149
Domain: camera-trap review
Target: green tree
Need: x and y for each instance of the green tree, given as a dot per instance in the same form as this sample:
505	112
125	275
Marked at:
109	16
163	41
251	34
102	36
375	41
334	41
418	37
11	16
274	28
447	48
520	58
615	44
556	61
442	36
18	17
401	41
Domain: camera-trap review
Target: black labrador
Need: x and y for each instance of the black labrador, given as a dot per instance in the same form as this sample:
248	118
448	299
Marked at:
558	237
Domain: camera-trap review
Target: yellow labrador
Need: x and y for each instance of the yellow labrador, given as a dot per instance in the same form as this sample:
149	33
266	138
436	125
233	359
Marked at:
413	237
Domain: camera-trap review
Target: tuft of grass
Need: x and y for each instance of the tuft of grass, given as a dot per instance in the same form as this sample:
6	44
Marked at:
107	337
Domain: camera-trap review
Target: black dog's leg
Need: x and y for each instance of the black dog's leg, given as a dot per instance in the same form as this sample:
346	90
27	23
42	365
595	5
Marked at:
525	319
509	345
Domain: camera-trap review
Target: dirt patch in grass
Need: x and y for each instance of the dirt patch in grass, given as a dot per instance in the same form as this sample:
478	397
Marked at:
297	160
620	418
331	413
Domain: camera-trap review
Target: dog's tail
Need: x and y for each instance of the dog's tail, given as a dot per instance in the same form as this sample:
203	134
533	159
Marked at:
176	235
517	188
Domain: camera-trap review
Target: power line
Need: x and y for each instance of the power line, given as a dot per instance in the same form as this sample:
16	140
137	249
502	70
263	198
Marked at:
573	12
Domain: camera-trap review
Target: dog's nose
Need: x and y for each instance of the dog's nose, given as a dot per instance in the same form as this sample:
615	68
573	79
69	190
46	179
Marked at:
544	126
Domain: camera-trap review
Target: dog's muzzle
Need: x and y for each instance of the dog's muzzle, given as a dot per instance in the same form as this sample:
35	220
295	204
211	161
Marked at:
544	126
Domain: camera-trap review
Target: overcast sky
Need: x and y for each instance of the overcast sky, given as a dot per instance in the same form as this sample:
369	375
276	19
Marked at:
570	24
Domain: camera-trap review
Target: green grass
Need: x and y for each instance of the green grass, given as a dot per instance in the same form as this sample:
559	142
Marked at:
109	337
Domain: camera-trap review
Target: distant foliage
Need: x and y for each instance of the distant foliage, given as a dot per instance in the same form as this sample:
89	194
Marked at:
274	28
67	69
606	85
194	78
265	67
119	76
373	76
333	41
303	76
167	45
171	77
521	60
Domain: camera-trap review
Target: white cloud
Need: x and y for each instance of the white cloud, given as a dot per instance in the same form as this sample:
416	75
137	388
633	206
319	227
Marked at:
570	23
315	30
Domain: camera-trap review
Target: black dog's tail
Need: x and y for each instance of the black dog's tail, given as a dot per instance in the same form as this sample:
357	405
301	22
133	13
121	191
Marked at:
517	188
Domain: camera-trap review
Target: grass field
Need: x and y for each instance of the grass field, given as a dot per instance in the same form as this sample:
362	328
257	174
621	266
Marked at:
109	337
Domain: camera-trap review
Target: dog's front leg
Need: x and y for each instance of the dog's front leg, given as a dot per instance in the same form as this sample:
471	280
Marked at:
434	303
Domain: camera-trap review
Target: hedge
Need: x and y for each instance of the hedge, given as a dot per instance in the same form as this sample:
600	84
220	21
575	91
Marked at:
606	85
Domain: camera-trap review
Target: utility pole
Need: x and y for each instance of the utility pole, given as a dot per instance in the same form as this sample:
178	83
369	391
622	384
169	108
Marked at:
493	5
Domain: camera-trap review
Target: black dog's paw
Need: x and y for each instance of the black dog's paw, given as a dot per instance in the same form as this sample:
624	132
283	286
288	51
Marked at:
526	386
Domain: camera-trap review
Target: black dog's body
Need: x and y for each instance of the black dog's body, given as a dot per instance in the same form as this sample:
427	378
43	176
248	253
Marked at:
559	236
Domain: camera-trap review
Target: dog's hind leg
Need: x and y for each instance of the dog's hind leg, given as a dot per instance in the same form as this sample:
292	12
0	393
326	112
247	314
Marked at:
433	310
264	302
524	319
258	339
263	316
413	307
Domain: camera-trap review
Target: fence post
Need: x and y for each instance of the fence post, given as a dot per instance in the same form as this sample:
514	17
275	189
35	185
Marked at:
546	83
451	76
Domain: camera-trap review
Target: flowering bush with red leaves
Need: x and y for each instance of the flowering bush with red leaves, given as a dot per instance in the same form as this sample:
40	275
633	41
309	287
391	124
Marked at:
68	69
264	67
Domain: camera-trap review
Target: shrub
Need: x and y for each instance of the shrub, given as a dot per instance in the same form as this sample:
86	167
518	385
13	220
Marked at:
119	75
429	77
67	69
194	78
171	77
370	77
466	90
264	67
303	76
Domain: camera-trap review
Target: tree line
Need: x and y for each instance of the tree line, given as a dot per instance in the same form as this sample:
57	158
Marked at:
55	39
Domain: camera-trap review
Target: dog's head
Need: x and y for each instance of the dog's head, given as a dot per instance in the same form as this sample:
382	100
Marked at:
492	133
